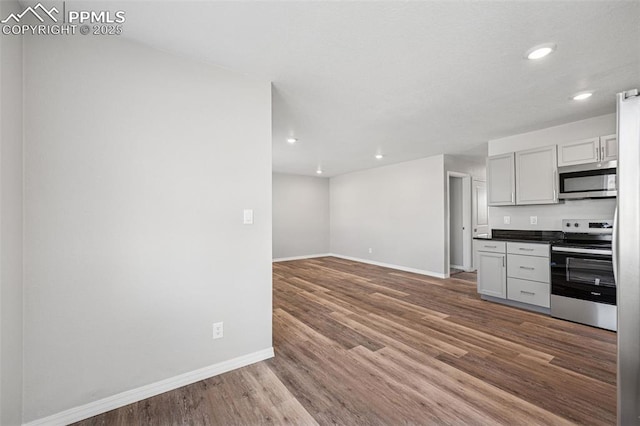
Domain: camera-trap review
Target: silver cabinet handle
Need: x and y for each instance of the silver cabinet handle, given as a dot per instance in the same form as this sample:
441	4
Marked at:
503	261
528	268
527	292
525	249
513	196
602	153
491	246
596	294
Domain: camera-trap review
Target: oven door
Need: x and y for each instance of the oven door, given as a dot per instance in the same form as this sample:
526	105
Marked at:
588	181
585	274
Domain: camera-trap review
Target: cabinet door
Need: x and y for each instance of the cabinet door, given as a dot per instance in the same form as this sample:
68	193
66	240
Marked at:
536	176
578	152
501	186
492	274
608	148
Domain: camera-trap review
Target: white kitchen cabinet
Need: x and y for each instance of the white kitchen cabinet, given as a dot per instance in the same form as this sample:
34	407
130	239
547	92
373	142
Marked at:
529	275
492	274
536	176
532	268
579	152
501	185
531	292
592	150
608	148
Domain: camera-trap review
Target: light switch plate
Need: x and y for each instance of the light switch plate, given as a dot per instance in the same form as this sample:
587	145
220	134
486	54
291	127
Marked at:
533	220
507	220
248	216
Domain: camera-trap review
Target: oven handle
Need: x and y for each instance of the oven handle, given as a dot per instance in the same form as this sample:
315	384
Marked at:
581	250
614	246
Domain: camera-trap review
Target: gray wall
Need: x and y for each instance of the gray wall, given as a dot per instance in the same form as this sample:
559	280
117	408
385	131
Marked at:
300	216
11	263
455	221
550	216
395	210
138	165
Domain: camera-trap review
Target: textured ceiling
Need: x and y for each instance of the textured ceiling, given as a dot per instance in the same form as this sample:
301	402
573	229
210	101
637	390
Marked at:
407	79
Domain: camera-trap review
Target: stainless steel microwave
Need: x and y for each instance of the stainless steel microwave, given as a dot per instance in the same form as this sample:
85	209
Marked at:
594	180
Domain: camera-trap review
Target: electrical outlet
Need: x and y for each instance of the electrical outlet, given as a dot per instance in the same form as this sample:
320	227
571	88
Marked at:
370	250
507	220
247	216
533	220
218	331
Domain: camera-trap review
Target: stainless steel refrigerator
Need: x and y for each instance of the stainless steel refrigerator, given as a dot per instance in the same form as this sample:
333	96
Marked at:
627	258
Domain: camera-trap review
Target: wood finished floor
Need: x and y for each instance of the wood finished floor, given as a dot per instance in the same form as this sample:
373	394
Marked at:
363	345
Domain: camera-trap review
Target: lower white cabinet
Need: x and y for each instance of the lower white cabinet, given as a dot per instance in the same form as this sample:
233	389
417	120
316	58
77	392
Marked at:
492	274
505	272
531	292
532	268
529	275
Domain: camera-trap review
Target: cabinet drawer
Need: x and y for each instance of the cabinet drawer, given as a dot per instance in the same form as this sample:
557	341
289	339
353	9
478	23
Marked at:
530	292
528	249
528	268
492	246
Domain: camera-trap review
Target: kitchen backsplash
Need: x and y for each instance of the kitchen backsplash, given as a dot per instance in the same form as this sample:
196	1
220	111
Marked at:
549	217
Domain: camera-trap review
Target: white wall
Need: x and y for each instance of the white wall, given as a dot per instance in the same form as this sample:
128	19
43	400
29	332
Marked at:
550	216
474	166
300	215
11	196
138	165
396	210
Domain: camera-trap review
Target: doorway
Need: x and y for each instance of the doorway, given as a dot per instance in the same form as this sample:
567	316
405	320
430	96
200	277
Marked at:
459	240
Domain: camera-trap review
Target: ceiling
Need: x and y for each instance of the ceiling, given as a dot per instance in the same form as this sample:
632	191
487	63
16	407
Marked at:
405	79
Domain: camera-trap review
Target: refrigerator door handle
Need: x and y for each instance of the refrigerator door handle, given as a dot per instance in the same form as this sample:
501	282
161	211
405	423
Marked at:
614	246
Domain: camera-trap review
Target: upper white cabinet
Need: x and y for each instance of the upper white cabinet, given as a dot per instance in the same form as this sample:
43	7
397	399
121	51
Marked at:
501	183
608	148
579	152
592	150
536	176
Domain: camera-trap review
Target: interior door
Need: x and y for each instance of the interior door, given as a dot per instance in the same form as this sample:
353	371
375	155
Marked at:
479	208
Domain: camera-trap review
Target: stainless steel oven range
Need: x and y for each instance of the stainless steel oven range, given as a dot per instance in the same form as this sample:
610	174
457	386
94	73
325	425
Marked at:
583	285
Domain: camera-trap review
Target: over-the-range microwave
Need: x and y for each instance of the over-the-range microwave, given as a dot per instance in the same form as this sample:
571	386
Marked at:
593	180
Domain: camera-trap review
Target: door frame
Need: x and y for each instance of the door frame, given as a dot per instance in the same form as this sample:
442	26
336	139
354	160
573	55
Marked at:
467	240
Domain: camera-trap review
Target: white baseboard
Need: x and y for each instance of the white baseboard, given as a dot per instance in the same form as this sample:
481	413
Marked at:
457	267
128	397
309	256
389	265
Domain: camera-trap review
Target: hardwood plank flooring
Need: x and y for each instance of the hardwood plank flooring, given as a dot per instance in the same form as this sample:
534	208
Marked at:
358	344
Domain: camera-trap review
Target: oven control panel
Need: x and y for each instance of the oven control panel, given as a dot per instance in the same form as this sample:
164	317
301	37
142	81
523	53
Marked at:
588	226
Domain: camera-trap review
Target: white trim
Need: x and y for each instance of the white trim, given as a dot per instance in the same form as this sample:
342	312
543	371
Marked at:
134	395
389	265
308	256
458	267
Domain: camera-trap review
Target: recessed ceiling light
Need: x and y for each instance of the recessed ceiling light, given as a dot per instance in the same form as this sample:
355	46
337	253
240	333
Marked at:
379	156
292	140
319	171
540	51
582	96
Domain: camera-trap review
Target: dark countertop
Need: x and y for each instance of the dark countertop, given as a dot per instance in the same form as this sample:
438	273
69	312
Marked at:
523	236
